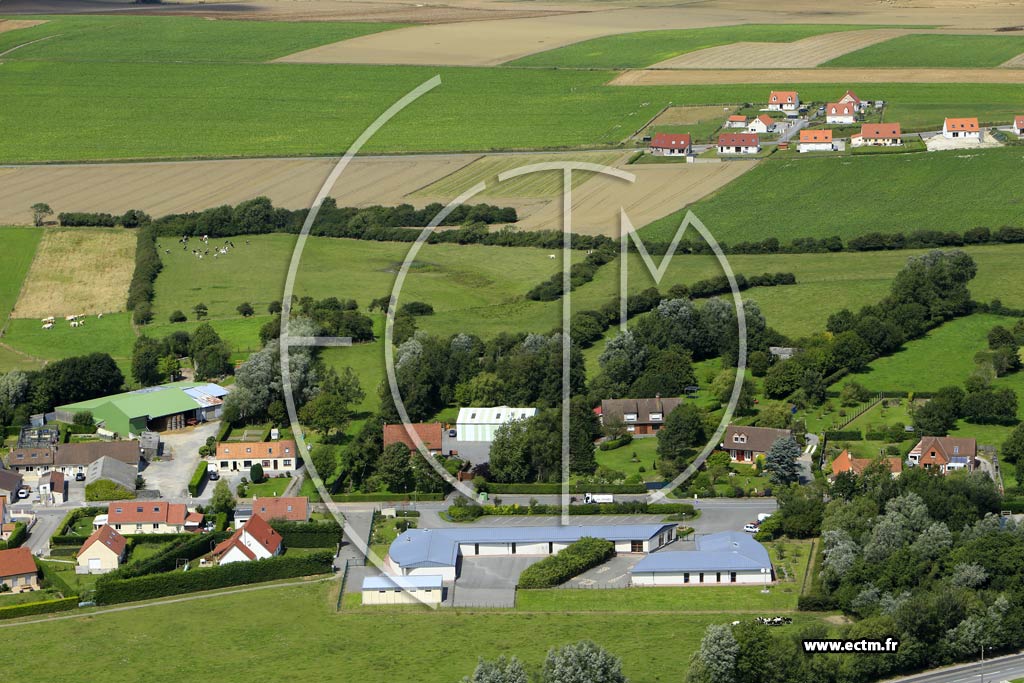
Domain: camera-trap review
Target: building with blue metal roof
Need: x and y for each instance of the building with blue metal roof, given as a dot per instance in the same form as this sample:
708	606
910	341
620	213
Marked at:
436	551
729	557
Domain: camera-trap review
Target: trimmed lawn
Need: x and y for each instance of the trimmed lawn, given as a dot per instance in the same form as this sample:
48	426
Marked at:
142	551
15	258
621	459
935	50
11	599
66	571
271	488
83	527
110	334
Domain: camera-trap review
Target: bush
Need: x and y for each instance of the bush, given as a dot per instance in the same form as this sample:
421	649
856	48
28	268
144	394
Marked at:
104	489
612	444
465	512
198	477
407	513
383	497
147	267
185	547
816	603
848	435
308	534
114	591
43	607
256	474
16	538
573	560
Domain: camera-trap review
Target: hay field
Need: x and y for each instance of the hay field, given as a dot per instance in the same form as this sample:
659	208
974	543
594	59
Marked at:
808	52
650	77
171	187
14	24
78	270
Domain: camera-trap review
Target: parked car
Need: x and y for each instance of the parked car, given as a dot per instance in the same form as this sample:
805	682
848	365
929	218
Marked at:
451	433
214	475
24	492
80	476
751	528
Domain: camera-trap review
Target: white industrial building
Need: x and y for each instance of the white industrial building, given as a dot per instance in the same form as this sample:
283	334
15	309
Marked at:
729	557
427	552
403	590
480	424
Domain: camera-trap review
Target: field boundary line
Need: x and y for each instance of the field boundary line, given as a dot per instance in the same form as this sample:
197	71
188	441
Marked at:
21	289
31	42
445	176
810	564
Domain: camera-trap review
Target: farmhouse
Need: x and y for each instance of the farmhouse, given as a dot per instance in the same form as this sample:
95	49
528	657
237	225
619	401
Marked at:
103	551
640	415
736	121
837	112
72	458
254	540
762	124
878	135
402	590
944	454
816	141
430	433
1018	125
739	143
419	552
18	570
480	424
160	408
668	145
10	482
783	100
53	489
963	129
726	557
844	462
745	444
272	456
150	517
291	509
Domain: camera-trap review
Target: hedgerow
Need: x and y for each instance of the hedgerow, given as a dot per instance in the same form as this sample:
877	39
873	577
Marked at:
571	561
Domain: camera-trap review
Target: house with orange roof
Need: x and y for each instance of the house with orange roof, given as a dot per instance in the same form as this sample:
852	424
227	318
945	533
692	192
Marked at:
670	144
273	456
430	433
840	113
815	141
739	143
945	454
1018	125
878	135
255	540
961	129
783	100
18	570
761	124
285	508
736	121
150	517
844	462
850	97
103	551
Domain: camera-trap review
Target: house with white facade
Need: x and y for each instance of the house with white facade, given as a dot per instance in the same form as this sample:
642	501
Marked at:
878	135
670	145
272	456
149	517
840	113
961	129
815	141
784	100
103	551
761	124
729	557
736	121
1018	125
480	424
403	590
255	540
739	143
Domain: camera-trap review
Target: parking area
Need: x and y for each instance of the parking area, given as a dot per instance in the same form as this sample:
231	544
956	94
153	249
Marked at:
612	574
489	581
171	473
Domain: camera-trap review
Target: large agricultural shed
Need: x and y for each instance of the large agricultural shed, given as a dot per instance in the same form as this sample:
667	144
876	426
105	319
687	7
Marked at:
159	408
429	552
726	557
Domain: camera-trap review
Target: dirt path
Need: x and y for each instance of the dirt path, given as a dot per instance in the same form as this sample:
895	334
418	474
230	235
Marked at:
728	76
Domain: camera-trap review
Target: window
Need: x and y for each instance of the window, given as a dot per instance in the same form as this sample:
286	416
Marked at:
266	463
156	508
138	527
270	450
718	577
732	577
117	527
381	590
287	450
551	548
497	416
686	577
156	526
656	417
227	451
476	548
513	548
630	417
289	508
288	463
472	416
701	578
248	450
139	509
118	510
21	456
636	546
247	463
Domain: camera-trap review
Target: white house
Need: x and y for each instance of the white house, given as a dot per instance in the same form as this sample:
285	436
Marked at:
255	540
272	456
783	100
850	97
149	517
729	557
480	424
403	590
103	551
878	135
762	124
739	143
736	121
670	145
52	488
815	141
839	112
961	129
1018	125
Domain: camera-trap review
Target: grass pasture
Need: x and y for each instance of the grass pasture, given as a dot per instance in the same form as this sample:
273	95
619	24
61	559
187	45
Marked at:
935	50
78	270
826	196
643	48
110	334
15	259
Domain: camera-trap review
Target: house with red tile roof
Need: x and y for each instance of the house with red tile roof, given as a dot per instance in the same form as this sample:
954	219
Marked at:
844	462
739	143
945	454
103	551
1018	125
273	456
670	144
815	141
961	129
736	121
150	517
255	540
290	509
850	97
878	135
783	100
18	570
430	433
841	113
761	124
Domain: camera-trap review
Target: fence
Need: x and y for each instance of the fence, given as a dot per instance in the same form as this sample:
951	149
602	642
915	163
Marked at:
878	399
344	579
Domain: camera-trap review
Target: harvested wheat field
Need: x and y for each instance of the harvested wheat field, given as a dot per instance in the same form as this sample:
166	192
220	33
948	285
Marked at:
799	54
682	116
659	189
171	187
78	270
737	76
1015	63
14	24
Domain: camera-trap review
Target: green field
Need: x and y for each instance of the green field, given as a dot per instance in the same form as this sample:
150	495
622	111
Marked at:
935	51
943	357
173	39
311	641
110	334
856	195
644	48
15	258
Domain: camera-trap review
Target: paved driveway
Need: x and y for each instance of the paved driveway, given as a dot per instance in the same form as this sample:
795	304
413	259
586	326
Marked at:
612	574
489	581
171	474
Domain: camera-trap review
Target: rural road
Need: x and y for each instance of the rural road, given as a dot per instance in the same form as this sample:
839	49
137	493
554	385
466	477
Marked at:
995	670
806	459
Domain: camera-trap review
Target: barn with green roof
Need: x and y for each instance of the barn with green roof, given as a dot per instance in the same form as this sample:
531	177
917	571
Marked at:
159	408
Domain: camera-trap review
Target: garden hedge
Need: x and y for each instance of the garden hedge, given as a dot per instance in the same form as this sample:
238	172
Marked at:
77	514
202	579
308	534
16	538
384	497
43	607
198	477
571	561
51	579
187	547
547	489
847	435
464	512
407	513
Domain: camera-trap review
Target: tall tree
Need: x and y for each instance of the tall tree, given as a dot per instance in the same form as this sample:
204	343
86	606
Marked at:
584	427
146	356
500	670
395	469
781	461
684	428
40	212
583	662
510	460
715	660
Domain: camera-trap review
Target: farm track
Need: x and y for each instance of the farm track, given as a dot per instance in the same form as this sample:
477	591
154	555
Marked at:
832	75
